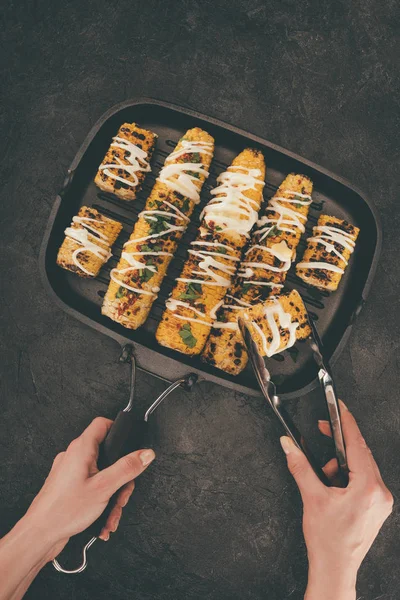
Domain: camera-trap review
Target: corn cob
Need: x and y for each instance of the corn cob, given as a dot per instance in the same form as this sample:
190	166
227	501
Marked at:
263	270
214	255
276	324
136	280
327	253
87	243
127	161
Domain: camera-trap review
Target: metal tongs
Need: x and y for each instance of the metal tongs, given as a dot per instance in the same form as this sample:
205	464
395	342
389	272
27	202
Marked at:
127	434
268	389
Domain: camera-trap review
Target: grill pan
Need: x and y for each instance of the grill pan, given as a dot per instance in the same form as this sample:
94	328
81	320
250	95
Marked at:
294	371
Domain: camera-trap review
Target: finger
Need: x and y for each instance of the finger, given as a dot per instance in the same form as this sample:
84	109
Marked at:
112	523
125	493
358	454
325	428
124	470
331	469
113	519
96	432
87	444
307	481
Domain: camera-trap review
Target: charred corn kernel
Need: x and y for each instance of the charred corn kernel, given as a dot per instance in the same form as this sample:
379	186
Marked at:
327	253
127	161
276	324
136	281
87	243
214	255
262	271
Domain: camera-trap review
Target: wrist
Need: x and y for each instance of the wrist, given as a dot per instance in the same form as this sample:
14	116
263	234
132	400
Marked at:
36	534
331	582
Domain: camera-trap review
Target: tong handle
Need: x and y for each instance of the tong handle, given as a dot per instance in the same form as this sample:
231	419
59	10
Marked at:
328	387
299	440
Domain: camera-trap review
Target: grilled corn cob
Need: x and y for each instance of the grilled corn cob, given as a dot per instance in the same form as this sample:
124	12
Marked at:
87	243
276	324
263	270
214	255
327	253
127	161
136	280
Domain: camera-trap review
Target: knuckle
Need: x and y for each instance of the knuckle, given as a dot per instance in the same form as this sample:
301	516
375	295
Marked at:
131	464
297	468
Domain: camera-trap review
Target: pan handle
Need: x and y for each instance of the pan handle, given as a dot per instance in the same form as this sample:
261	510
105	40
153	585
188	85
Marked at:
127	434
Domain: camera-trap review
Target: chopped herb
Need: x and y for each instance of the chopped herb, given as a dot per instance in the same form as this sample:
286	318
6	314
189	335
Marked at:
185	205
273	231
120	292
298	205
187	336
246	287
193	174
145	275
193	291
150	203
221	250
146	248
159	225
218	228
196	158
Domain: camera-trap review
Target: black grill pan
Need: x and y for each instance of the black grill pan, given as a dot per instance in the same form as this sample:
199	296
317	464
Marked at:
335	313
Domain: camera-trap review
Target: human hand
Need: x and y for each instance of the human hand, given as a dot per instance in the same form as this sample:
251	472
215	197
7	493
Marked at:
76	493
339	524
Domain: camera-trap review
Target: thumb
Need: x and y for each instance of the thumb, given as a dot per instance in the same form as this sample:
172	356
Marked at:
303	473
124	470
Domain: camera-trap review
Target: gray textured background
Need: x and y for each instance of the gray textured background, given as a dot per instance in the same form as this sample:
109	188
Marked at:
217	517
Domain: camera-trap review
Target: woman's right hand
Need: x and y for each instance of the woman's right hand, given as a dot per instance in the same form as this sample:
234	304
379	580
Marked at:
339	524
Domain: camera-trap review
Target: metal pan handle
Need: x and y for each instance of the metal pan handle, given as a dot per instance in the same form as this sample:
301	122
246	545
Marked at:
127	434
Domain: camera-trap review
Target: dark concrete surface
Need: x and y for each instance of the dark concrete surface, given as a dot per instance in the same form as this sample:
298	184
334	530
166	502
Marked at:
218	516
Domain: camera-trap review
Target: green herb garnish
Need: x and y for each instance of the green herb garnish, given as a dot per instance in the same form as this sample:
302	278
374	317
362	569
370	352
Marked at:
185	205
120	292
273	231
193	292
246	287
218	228
187	336
221	250
159	225
298	205
145	275
196	158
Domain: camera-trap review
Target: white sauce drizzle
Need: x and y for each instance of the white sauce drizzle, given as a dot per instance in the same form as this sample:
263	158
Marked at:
81	237
175	176
173	304
285	322
328	237
137	161
232	208
286	216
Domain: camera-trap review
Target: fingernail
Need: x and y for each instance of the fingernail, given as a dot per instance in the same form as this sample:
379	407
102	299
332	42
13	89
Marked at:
323	421
342	405
146	457
287	444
